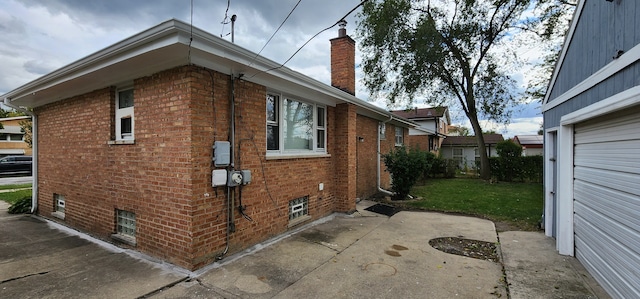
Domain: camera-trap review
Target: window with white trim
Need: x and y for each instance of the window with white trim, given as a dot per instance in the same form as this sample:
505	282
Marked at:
295	126
124	114
399	136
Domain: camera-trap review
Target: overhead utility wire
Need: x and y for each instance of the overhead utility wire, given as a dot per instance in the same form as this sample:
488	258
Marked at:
321	31
274	34
191	33
226	17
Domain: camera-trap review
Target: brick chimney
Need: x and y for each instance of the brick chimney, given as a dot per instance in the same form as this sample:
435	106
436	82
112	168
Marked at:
343	61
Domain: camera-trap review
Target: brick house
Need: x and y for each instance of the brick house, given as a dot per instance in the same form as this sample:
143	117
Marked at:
123	144
433	127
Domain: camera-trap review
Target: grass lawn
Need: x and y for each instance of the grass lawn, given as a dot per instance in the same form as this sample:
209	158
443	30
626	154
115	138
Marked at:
12	197
517	204
18	186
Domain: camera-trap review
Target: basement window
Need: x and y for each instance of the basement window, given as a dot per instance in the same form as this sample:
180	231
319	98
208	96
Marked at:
125	227
59	206
298	210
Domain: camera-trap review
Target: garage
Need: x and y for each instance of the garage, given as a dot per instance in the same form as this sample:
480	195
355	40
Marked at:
606	191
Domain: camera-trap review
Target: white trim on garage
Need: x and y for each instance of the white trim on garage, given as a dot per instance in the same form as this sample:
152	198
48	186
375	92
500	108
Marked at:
564	181
549	176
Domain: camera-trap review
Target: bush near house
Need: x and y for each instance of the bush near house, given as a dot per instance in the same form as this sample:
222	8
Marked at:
406	167
21	206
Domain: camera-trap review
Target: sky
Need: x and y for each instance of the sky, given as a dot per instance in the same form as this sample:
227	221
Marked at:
40	36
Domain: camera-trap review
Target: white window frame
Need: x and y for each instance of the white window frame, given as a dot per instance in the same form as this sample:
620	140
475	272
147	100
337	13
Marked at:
399	136
280	113
383	131
121	113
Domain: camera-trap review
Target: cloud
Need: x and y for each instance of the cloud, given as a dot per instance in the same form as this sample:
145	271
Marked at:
43	35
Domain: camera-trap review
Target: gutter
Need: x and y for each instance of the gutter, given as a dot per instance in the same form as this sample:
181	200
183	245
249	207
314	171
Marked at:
378	160
34	147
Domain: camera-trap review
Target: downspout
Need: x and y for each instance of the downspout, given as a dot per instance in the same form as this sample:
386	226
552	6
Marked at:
34	148
378	160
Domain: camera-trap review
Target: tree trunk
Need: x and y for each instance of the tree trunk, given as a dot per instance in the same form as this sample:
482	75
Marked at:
485	168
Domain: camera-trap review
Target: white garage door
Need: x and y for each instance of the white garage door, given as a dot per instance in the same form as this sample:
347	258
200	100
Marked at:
607	200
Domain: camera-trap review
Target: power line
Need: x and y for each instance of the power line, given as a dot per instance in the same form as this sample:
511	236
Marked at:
314	36
226	17
274	34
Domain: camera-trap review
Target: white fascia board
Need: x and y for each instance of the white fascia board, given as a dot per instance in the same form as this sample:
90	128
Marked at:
567	41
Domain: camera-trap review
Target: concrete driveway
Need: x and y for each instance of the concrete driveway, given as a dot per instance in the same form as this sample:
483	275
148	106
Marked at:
364	255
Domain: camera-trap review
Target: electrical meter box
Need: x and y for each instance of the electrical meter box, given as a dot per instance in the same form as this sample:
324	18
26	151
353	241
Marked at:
246	176
221	153
218	177
234	178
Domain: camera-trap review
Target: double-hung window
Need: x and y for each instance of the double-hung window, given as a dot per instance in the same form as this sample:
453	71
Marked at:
399	136
295	126
124	114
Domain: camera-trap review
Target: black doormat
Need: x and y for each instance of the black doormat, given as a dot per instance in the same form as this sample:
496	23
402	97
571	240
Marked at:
382	209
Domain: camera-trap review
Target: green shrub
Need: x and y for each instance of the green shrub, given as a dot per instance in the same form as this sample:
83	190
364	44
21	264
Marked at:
524	169
406	167
21	206
508	149
442	167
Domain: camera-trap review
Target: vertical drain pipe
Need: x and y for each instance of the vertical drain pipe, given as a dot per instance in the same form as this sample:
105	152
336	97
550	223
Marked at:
232	127
378	159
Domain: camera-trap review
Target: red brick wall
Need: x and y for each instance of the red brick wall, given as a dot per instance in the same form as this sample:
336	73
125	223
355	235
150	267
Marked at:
343	65
367	155
165	177
345	157
151	178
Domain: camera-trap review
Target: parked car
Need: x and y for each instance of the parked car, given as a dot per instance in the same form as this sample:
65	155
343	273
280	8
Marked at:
16	165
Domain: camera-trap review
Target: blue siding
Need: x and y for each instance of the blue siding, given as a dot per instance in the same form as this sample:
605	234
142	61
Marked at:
599	34
623	80
603	29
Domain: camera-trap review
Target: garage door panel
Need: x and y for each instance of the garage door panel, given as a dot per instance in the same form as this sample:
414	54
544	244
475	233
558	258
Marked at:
619	156
623	181
611	203
606	190
620	239
618	127
592	261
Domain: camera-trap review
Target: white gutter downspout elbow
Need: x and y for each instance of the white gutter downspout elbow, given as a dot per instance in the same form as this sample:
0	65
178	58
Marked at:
34	147
378	160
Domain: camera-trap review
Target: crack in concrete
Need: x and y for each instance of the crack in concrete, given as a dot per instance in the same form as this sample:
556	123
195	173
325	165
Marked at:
24	276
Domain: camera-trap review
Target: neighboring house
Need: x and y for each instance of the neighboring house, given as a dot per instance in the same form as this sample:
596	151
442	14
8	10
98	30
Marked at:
12	138
434	124
187	147
531	144
464	149
592	145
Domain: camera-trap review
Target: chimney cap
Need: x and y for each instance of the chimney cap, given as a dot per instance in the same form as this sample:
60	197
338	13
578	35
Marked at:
343	30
